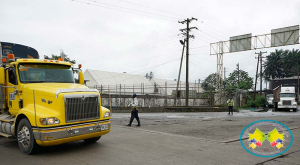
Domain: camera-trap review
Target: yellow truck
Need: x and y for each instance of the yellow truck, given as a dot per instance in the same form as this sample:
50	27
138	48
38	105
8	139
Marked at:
41	105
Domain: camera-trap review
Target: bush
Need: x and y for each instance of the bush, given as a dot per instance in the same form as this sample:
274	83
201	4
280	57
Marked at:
260	101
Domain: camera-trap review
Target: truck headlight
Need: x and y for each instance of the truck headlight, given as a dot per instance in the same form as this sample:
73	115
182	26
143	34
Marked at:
49	121
106	114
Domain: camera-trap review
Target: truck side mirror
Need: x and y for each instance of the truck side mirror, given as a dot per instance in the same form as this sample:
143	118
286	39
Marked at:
2	76
80	78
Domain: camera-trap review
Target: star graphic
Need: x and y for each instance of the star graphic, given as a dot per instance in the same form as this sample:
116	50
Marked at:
258	143
252	145
279	141
279	145
273	143
253	141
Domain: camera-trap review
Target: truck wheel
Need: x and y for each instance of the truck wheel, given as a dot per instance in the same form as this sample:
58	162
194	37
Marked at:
295	109
26	141
92	140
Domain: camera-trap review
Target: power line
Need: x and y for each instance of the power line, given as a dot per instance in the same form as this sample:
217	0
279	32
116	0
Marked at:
114	55
145	47
202	58
145	59
151	8
155	66
209	35
128	10
201	68
223	36
213	28
138	48
199	47
204	37
250	55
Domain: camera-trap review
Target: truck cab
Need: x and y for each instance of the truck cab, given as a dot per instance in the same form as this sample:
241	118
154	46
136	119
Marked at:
41	105
288	98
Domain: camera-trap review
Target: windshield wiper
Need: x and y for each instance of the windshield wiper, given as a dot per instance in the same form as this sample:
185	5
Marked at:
34	81
65	82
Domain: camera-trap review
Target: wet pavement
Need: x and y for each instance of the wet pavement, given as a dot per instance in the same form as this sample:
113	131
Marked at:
165	138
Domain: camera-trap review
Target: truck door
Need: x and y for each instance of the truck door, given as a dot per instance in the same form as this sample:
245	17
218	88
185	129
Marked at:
13	97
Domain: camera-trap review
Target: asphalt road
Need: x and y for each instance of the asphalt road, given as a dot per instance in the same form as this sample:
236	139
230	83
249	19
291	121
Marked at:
165	138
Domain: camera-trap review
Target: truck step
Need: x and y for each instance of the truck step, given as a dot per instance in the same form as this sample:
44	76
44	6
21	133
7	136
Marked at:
7	118
7	135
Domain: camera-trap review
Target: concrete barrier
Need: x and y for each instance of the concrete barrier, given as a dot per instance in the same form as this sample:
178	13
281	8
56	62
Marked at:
172	109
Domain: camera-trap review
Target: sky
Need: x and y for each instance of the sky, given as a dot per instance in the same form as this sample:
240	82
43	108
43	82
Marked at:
137	37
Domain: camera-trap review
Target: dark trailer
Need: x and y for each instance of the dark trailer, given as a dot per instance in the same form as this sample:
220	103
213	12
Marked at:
20	51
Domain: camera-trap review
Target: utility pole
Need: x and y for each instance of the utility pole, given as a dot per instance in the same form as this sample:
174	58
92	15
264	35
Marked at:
186	32
178	80
238	91
238	69
260	58
298	79
256	77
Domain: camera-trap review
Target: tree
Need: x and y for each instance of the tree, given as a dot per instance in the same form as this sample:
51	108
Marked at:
274	64
290	62
282	63
238	77
210	82
55	57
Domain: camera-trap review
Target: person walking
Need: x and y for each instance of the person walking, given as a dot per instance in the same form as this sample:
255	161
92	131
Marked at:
134	112
230	104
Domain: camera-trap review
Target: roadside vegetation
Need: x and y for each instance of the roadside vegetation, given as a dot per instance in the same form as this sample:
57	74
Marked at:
279	64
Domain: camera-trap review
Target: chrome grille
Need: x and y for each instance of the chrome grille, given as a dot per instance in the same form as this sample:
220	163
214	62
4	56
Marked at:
83	107
286	102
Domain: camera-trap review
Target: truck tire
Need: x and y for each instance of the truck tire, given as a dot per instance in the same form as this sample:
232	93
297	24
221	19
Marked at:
92	140
295	109
26	140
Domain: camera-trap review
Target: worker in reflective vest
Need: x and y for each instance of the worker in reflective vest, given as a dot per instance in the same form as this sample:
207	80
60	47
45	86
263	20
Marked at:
230	104
134	112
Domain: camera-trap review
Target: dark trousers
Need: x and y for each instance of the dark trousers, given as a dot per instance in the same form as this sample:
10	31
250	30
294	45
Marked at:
134	114
230	109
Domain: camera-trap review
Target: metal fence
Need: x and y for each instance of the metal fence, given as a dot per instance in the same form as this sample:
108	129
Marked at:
157	95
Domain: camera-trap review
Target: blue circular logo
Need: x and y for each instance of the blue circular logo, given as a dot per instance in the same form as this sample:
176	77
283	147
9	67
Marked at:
266	138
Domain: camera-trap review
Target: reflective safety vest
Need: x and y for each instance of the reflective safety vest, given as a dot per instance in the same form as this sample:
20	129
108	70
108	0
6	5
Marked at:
230	103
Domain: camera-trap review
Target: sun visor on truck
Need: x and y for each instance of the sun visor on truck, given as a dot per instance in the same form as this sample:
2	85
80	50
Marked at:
20	51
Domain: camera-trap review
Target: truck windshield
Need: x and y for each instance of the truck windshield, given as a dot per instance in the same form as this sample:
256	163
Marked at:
287	95
44	73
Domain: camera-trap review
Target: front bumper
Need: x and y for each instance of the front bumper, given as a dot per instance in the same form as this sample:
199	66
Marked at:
288	106
65	134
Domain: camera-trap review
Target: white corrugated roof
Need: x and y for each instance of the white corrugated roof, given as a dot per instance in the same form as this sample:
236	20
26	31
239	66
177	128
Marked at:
97	77
105	78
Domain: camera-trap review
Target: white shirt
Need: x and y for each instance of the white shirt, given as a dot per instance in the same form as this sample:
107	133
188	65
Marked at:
135	103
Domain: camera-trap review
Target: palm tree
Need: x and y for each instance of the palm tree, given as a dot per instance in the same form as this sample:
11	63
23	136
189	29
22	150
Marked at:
290	62
266	80
274	64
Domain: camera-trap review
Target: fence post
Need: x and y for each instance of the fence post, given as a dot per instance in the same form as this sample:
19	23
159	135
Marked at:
143	95
124	96
166	94
120	95
141	91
